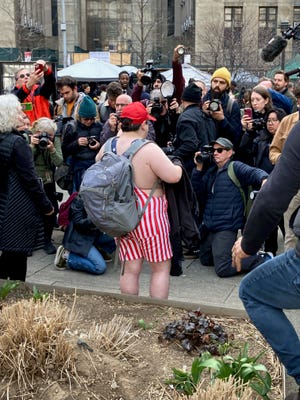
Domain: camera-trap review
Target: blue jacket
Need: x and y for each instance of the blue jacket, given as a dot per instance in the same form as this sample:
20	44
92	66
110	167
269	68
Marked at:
224	206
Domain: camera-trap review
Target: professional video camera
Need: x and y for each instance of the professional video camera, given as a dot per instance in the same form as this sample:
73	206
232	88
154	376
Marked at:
44	139
149	73
206	155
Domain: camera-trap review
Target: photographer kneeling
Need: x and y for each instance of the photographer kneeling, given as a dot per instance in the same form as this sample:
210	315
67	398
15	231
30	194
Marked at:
47	154
223	213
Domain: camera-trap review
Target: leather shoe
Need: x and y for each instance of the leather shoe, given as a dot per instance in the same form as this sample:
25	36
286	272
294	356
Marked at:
293	396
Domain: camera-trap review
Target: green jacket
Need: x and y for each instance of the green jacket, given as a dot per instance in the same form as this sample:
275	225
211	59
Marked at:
46	162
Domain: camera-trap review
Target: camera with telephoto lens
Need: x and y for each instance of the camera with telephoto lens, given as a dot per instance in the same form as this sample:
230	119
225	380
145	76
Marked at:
156	108
92	140
44	139
206	155
258	124
214	105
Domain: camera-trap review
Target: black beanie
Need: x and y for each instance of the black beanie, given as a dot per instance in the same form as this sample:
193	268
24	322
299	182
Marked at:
192	93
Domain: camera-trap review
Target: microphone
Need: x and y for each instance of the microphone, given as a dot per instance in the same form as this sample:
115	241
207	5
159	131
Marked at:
275	46
292	72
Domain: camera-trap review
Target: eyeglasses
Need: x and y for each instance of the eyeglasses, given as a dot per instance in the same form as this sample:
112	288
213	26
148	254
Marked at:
22	76
219	150
271	121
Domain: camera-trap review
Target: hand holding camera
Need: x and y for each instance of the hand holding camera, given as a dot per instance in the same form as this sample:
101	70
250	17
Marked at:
205	156
113	121
43	140
214	108
93	142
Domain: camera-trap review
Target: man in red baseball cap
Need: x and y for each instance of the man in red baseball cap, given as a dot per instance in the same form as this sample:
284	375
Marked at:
150	239
137	113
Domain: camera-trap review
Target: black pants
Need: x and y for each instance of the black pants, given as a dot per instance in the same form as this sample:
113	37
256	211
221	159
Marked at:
50	220
215	250
271	243
13	266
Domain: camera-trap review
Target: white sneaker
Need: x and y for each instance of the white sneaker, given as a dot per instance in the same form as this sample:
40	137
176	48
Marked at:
268	255
60	261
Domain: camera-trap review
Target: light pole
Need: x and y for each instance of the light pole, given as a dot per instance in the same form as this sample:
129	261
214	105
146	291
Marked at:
63	28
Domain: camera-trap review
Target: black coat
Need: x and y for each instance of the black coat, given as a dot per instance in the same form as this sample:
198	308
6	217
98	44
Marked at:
183	210
275	195
22	198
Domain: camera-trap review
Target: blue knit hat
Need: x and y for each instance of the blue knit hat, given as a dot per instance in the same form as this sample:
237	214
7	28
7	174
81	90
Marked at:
87	108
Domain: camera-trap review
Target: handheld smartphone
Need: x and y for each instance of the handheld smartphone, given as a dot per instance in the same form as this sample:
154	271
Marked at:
248	112
39	67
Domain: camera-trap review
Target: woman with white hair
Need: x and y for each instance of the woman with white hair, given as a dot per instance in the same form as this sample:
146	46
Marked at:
22	197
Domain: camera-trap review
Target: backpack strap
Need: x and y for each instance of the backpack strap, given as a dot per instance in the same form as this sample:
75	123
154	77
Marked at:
237	183
135	147
229	106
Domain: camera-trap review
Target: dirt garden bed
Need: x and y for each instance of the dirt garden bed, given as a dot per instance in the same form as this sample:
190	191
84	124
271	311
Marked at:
102	348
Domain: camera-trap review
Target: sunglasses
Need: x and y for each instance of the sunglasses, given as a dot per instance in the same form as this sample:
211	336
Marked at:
23	76
219	150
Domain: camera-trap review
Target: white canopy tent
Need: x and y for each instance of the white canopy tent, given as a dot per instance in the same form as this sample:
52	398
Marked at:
189	72
91	70
129	68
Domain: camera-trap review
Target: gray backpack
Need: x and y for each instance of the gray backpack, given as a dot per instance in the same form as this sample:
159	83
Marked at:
107	191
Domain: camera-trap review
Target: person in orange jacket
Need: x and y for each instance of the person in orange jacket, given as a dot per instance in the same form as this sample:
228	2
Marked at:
34	95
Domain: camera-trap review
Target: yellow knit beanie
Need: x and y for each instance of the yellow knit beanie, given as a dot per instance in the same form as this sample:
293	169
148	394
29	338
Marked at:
222	73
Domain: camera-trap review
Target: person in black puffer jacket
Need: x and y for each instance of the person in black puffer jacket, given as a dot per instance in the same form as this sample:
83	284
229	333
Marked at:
223	213
80	146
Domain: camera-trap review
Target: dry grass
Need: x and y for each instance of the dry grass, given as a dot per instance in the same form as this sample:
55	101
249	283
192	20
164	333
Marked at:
222	390
116	337
33	343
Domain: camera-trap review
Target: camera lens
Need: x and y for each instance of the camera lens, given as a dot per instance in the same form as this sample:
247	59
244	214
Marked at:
180	50
43	142
214	106
146	79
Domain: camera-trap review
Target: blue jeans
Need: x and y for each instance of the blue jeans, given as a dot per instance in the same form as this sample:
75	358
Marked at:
94	262
265	292
105	242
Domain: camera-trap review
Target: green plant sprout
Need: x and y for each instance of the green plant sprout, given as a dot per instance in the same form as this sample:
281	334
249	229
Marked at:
37	295
242	367
7	287
142	324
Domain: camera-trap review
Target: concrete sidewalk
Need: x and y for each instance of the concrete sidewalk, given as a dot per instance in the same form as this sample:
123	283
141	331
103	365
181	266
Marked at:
198	286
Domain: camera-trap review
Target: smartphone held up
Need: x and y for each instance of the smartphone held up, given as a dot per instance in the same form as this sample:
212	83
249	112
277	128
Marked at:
39	67
248	113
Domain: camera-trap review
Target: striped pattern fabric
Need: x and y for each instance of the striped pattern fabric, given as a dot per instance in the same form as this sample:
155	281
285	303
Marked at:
150	239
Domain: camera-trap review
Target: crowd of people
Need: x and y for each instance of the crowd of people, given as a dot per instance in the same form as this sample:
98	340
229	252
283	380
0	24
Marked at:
200	136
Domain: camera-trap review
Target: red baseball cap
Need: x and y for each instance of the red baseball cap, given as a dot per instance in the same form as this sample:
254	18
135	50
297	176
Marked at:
136	112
